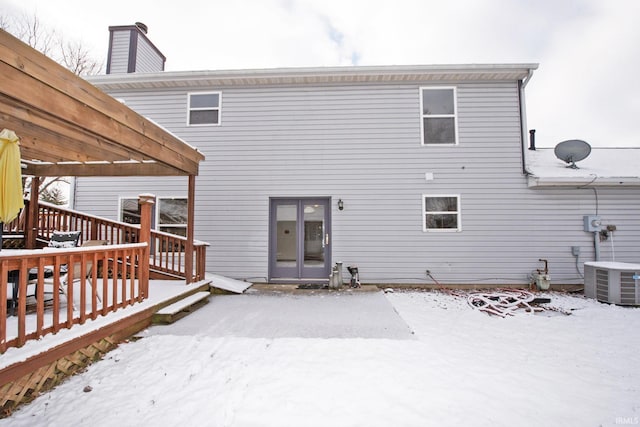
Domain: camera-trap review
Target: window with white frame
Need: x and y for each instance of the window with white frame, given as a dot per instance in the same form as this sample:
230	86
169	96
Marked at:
129	210
129	213
171	214
441	212
204	109
438	108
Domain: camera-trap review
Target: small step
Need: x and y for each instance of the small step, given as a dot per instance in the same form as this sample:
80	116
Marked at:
179	309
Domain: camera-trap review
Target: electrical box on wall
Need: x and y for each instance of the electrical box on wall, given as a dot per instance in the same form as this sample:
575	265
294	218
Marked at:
592	223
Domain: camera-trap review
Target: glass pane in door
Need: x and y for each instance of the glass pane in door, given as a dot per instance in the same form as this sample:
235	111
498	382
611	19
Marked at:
314	235
299	239
286	235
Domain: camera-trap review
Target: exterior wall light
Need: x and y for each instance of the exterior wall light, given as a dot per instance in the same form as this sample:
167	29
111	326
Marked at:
340	204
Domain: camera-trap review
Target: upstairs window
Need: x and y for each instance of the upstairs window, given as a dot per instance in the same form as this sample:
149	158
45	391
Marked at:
441	213
438	111
204	109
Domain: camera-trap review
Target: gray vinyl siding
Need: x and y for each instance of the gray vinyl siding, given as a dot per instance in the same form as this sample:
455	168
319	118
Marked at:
100	196
147	58
361	143
120	52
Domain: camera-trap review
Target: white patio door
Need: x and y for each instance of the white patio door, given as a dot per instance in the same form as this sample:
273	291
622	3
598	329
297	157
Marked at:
299	239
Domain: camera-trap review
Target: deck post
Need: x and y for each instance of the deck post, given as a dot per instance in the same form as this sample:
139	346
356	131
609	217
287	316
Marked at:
94	229
146	202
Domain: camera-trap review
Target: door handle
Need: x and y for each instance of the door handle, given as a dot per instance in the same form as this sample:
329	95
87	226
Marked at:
326	239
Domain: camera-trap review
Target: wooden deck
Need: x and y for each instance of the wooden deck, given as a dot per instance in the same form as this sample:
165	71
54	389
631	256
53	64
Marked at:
40	364
120	269
133	255
163	293
58	309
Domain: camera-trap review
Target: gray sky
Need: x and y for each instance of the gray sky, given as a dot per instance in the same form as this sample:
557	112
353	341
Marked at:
588	50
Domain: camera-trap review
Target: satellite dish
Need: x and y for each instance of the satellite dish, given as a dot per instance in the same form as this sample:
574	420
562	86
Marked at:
572	151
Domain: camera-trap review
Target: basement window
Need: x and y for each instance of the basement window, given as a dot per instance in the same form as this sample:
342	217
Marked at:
204	109
439	121
441	213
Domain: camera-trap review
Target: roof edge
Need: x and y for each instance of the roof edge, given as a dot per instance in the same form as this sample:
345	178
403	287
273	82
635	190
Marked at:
512	71
586	182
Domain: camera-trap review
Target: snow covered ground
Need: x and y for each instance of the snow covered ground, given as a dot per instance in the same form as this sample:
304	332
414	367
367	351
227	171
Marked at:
254	360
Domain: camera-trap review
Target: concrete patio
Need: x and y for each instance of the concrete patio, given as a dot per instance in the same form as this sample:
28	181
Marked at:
283	312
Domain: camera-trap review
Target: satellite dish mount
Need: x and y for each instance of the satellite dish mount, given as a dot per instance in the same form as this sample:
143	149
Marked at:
572	151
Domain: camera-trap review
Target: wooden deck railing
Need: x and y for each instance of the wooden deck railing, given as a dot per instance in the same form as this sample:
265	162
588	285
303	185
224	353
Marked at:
109	278
166	249
113	276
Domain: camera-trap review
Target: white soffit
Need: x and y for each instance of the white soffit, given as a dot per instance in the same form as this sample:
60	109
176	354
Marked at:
319	75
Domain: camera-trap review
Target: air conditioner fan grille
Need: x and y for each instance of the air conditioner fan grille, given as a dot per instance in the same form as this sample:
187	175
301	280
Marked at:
602	285
627	288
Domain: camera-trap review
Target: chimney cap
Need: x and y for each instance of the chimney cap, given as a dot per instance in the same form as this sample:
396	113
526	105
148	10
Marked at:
142	27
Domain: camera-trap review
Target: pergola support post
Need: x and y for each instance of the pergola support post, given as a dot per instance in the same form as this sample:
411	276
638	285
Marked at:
188	258
31	221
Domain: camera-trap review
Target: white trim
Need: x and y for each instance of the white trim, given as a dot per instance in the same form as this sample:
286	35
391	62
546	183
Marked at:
454	115
219	108
441	230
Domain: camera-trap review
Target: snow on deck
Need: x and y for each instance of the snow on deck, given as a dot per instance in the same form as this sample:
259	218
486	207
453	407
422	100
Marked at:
159	291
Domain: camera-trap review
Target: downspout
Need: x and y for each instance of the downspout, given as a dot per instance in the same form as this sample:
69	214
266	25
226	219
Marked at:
523	121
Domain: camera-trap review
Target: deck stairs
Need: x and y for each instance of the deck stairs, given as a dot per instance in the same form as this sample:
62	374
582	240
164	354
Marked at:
181	308
187	303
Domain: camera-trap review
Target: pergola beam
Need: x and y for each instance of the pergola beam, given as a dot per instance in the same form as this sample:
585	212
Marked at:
99	169
39	87
45	137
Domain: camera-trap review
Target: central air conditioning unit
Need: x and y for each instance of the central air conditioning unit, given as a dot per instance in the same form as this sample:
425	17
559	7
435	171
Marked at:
612	282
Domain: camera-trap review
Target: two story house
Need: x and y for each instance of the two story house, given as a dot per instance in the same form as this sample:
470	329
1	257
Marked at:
415	174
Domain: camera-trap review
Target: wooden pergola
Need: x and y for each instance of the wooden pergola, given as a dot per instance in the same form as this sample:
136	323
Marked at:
68	127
